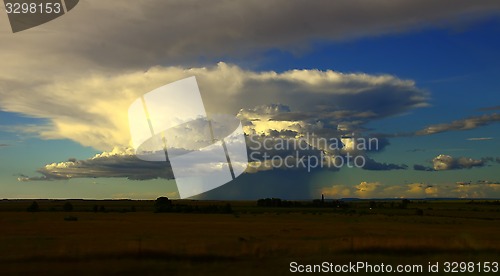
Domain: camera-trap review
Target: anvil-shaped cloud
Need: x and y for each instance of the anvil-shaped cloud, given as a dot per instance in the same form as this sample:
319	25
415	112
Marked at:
92	110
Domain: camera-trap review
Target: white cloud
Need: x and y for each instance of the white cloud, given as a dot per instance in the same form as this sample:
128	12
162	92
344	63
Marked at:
480	139
419	190
477	190
447	162
412	190
337	191
92	109
117	163
366	189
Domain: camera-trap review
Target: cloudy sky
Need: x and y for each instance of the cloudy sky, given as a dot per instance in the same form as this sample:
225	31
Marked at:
420	76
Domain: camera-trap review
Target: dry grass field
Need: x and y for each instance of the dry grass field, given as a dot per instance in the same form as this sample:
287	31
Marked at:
248	241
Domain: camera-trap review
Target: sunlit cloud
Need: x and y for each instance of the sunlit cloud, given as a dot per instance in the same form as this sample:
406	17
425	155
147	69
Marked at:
117	163
480	139
366	189
369	190
445	162
92	110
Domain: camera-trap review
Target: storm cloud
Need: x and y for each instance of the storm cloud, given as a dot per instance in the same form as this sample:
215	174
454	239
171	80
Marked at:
445	162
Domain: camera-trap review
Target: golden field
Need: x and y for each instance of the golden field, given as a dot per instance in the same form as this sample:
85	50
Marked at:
248	241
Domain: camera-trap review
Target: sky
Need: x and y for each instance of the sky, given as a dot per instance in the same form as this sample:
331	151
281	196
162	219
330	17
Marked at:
422	78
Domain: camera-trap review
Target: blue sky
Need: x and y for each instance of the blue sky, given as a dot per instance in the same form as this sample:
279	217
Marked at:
63	100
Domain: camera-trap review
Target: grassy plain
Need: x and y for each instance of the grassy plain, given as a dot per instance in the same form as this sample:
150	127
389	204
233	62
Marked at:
127	237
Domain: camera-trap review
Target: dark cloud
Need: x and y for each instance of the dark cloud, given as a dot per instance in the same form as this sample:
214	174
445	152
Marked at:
444	162
282	121
311	134
283	133
4	145
373	165
116	165
422	168
415	150
173	31
282	152
360	97
463	124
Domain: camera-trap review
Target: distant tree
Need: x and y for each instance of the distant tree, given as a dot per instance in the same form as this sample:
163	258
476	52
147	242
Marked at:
163	204
340	204
404	203
33	207
317	202
270	202
261	202
68	207
276	202
102	209
228	209
96	208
